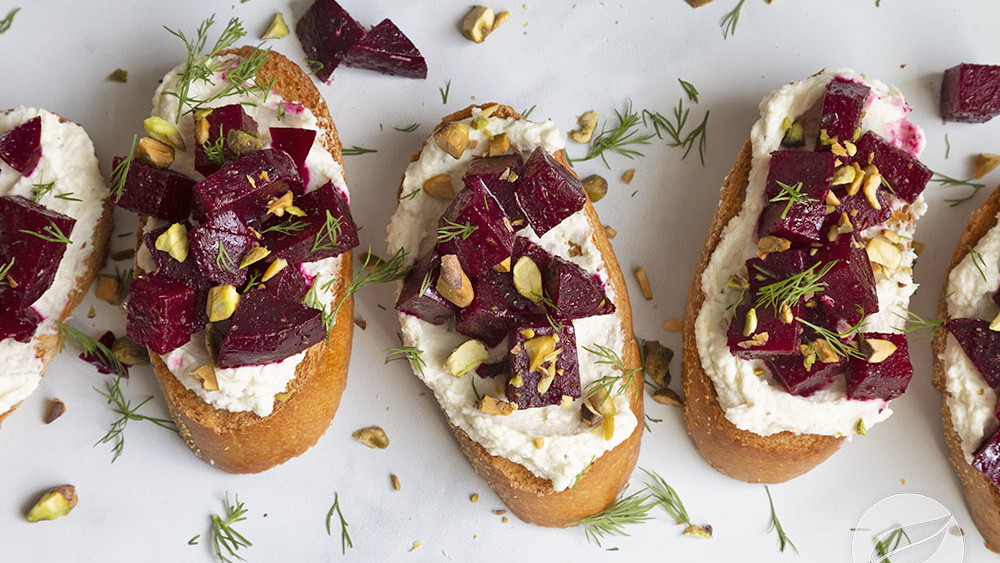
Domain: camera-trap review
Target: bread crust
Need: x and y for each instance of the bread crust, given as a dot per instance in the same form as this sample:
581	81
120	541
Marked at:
982	496
243	442
738	453
528	496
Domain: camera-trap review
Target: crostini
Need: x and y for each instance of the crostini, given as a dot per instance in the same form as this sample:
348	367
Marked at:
516	316
54	229
967	365
244	255
791	335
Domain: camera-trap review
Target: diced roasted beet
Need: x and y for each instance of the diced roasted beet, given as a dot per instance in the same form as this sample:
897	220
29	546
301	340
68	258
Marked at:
791	372
293	140
218	246
387	50
523	385
971	93
987	458
850	283
221	121
906	175
19	324
495	172
494	308
158	192
843	104
859	211
799	222
429	305
775	267
547	192
884	380
328	228
772	337
21	147
267	329
575	293
34	258
326	32
487	239
161	312
167	264
980	344
524	247
996	297
802	223
289	283
813	169
494	369
103	366
246	185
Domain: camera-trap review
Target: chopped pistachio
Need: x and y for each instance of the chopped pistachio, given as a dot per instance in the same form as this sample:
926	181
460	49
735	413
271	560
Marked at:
164	131
503	265
201	129
666	396
785	313
610	231
500	18
794	135
499	145
453	284
628	175
243	142
395	481
118	75
128	352
55	503
56	409
881	251
596	187
640	276
984	164
877	350
439	187
587	122
696	531
156	153
540	349
206	375
277	28
861	427
995	323
453	138
750	323
478	23
674	325
738	282
492	405
843	175
372	436
474	497
174	241
222	302
768	244
255	254
538	442
859	178
528	279
108	289
824	352
467	357
273	269
657	361
870	189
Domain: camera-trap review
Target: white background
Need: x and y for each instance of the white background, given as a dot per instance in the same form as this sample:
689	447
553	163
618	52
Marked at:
565	57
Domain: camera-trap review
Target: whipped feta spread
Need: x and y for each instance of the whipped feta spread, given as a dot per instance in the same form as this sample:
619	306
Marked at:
69	162
244	388
756	403
569	445
970	295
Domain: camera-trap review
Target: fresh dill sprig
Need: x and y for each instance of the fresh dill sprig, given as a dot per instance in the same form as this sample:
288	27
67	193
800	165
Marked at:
50	233
674	128
127	412
345	537
452	230
39	190
411	353
410	195
475	391
631	509
314	66
194	540
689	89
945	180
947	145
356	150
6	22
120	174
792	194
4	271
783	539
444	91
124	278
224	536
68	196
216	151
794	287
620	138
730	20
916	323
408	129
426	282
606	385
326	237
370	273
527	112
223	260
286	227
835	339
890	541
667	498
977	261
89	345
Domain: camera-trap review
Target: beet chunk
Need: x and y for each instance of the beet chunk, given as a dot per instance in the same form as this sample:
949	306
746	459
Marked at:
850	283
326	32
221	121
218	246
799	222
387	50
813	169
906	175
987	458
843	103
487	239
523	385
295	141
575	293
495	172
782	339
797	380
21	147
494	369
19	324
489	317
161	312
246	185
328	230
427	305
971	93
547	192
885	380
167	264
289	284
35	260
980	344
268	329
153	191
860	212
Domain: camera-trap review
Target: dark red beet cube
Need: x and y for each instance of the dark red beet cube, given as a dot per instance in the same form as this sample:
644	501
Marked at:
782	339
971	93
221	121
850	283
487	240
490	315
980	344
295	141
523	385
547	192
987	458
167	264
776	267
35	259
499	174
524	247
326	32
494	369
289	283
797	380
419	296
575	293
885	380
843	103
246	185
813	169
267	329
996	297
21	147
161	312
328	228
19	324
859	211
153	191
218	246
799	222
906	175
387	50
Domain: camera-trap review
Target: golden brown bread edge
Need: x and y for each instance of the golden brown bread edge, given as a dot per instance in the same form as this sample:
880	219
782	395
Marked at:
243	442
528	496
982	496
48	344
740	454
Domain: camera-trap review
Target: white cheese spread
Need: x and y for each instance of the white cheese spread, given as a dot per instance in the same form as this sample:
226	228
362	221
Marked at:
569	446
69	162
757	403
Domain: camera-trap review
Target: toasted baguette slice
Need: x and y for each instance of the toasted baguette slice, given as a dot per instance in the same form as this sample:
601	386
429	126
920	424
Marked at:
243	442
528	496
738	453
47	343
982	496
